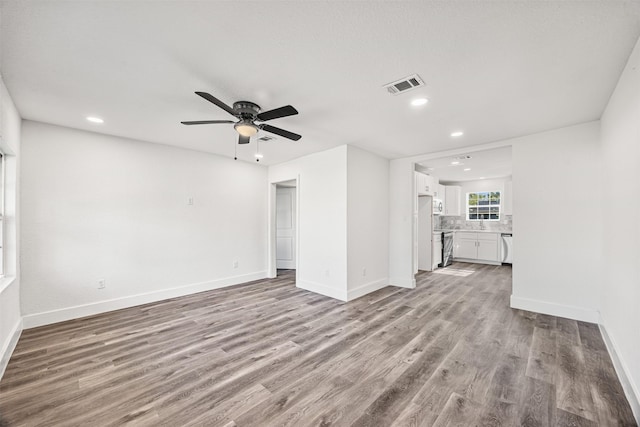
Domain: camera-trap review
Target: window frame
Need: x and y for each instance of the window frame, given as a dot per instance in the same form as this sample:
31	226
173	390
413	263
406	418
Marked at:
468	206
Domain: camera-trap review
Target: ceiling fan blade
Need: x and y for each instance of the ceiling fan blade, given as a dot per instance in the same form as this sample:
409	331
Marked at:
281	132
243	139
285	111
206	122
217	102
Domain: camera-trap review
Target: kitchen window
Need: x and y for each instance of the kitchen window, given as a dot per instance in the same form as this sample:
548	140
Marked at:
483	205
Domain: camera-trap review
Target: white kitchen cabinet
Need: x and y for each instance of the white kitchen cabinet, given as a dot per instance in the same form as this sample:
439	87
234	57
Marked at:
452	200
464	246
488	247
473	246
436	250
425	184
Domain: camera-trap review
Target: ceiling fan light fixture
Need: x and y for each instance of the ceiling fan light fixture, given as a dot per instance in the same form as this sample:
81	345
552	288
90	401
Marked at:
245	128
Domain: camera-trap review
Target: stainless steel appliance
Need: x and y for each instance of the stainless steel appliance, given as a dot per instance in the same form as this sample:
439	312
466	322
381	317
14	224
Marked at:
507	248
437	207
447	248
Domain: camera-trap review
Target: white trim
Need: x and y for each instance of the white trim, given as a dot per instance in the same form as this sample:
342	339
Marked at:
5	282
403	282
54	316
9	346
559	310
367	288
631	390
321	289
476	261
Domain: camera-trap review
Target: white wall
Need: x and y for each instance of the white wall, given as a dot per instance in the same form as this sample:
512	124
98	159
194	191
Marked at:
322	219
10	316
401	222
101	207
368	222
557	222
495	184
620	292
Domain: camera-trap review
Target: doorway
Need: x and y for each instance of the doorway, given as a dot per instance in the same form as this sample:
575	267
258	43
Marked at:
284	229
286	226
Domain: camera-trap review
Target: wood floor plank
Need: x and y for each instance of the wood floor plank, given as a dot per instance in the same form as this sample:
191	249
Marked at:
265	353
572	386
538	405
458	411
541	363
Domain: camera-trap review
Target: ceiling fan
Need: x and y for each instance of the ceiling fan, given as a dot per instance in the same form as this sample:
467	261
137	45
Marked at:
248	114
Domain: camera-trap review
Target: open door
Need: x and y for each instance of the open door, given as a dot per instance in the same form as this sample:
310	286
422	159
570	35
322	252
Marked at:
286	227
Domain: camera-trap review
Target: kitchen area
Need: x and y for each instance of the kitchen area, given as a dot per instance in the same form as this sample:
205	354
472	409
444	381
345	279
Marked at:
463	210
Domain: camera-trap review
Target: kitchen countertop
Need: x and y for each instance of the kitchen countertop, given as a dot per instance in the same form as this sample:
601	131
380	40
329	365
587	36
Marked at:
476	231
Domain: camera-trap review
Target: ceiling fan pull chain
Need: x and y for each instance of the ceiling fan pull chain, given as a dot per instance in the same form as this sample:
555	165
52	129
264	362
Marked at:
235	153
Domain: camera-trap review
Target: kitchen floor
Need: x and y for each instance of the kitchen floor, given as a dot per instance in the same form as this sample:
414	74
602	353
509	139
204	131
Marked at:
450	352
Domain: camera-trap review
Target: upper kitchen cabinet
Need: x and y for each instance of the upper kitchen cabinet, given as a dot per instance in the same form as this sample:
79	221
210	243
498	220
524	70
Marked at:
452	200
507	198
425	184
440	192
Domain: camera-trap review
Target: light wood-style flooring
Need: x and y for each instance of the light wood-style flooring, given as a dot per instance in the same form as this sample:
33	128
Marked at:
450	352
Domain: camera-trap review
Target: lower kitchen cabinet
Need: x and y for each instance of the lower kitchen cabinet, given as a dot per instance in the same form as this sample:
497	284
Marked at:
473	246
436	250
465	247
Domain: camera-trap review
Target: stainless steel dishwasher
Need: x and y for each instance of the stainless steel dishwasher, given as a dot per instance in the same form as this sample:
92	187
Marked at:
447	248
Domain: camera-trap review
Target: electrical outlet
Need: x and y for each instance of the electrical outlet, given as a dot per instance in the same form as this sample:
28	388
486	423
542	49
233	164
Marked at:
235	264
364	271
190	201
326	273
102	284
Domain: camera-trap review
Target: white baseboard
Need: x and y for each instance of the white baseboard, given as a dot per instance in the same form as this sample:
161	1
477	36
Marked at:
567	311
367	288
61	315
321	289
630	388
403	282
477	261
9	345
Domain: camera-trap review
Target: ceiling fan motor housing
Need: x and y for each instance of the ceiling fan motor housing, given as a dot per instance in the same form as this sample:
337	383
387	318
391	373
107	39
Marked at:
246	109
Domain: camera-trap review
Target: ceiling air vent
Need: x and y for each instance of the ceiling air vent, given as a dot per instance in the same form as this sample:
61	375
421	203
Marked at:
405	84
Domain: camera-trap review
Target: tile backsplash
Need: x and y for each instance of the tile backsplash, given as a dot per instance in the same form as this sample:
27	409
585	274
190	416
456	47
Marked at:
460	223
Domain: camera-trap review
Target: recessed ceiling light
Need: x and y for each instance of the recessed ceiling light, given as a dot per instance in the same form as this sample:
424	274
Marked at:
258	156
466	169
457	134
482	177
419	101
94	119
455	163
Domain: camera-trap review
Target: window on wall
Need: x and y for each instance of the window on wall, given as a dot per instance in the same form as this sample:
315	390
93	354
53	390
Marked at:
484	205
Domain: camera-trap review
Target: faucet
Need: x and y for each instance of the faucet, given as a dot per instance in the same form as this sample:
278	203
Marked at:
481	223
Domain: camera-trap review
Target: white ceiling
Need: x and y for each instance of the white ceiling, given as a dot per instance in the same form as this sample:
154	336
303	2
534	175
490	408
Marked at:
494	69
494	163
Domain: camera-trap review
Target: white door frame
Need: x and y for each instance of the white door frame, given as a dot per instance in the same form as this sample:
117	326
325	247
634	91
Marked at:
272	269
